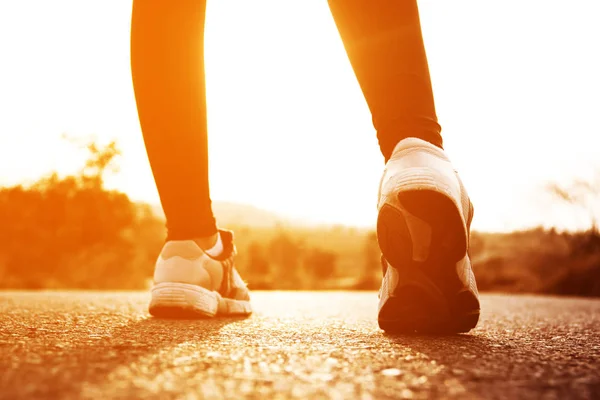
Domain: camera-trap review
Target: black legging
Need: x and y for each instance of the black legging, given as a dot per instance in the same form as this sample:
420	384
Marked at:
383	41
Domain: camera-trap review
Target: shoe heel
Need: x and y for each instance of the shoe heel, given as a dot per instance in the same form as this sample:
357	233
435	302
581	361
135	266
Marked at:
422	243
415	304
427	224
419	305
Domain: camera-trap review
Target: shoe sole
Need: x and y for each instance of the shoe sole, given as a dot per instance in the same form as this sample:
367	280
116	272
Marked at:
429	296
185	301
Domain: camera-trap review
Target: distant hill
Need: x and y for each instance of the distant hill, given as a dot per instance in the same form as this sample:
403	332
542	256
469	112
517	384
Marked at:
228	213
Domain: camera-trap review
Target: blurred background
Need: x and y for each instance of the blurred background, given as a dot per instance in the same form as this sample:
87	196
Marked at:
294	160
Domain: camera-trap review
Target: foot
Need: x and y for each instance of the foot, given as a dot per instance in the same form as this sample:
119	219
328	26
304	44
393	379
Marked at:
423	231
189	283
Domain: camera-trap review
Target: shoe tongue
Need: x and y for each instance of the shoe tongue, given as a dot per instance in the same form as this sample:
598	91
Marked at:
227	241
226	236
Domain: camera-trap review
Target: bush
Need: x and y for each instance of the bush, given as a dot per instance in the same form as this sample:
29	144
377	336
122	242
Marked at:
73	233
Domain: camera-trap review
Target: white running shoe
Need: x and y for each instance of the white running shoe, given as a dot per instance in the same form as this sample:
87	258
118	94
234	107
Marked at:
188	283
423	230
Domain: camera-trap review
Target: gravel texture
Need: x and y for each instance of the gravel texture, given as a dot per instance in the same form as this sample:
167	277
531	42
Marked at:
296	345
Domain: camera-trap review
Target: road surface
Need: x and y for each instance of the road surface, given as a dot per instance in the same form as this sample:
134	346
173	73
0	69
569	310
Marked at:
296	345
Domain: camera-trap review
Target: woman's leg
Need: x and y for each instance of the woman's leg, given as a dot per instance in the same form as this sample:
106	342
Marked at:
167	61
424	217
384	43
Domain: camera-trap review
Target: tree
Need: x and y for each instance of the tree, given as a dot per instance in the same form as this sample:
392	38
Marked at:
286	255
371	271
72	232
257	261
581	194
320	263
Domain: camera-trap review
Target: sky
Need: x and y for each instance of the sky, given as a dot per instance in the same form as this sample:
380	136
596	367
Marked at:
516	84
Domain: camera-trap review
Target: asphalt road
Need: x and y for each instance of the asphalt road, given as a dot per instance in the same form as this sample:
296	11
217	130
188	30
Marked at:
296	345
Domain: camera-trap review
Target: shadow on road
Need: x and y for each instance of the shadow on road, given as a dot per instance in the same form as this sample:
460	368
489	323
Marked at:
478	363
76	361
470	363
445	347
431	342
150	335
